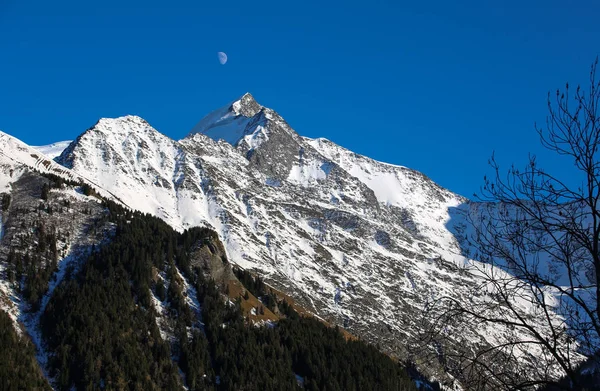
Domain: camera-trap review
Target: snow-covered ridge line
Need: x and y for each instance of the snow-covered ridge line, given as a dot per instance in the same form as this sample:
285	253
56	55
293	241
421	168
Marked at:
319	140
15	154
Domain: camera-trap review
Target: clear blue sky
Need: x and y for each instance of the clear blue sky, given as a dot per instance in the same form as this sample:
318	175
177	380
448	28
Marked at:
432	85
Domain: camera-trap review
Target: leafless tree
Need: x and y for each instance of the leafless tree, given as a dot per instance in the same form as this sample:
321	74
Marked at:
538	239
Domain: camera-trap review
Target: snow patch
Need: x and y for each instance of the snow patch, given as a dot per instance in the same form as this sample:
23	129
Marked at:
53	150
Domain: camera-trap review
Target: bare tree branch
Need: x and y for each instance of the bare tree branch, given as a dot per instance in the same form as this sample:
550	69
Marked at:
536	239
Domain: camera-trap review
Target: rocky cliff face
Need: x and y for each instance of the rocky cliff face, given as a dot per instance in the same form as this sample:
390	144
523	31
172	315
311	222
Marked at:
361	243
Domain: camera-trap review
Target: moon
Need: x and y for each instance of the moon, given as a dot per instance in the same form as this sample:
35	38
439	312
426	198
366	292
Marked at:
222	57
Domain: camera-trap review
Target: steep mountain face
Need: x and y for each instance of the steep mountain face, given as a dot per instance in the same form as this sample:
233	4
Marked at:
364	244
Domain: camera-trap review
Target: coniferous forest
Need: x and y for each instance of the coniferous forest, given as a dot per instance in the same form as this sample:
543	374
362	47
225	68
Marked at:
100	326
19	369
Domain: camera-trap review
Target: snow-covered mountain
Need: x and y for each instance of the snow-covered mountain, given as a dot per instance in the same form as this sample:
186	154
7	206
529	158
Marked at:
361	243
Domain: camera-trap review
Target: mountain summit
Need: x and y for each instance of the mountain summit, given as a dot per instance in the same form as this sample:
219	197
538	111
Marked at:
229	122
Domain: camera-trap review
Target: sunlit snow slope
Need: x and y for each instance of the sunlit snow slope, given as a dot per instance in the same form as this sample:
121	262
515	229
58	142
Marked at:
53	150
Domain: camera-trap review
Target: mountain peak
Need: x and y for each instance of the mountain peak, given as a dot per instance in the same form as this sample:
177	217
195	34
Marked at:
121	126
126	119
246	105
229	122
112	134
